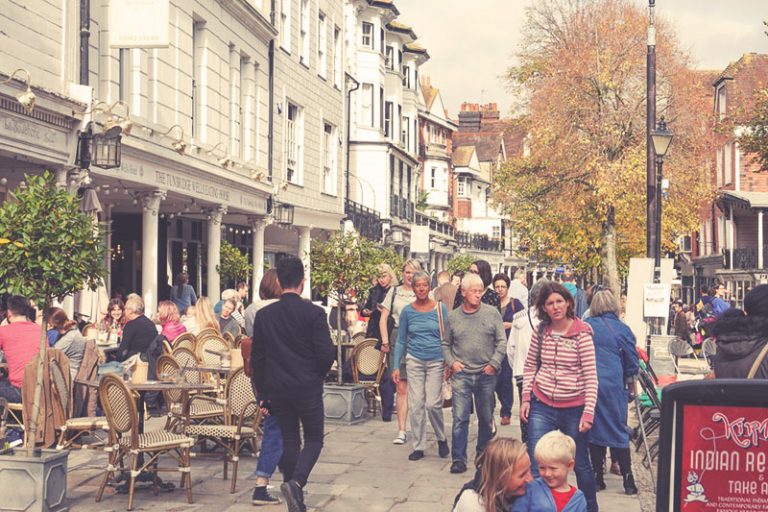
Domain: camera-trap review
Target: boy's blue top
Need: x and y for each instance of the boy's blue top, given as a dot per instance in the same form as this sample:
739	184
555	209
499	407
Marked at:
538	498
419	334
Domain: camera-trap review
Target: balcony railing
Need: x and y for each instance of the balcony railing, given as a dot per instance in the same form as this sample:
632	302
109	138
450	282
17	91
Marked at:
436	226
401	208
745	258
366	221
479	242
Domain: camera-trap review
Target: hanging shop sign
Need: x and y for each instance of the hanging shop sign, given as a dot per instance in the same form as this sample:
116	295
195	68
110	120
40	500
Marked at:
714	447
139	23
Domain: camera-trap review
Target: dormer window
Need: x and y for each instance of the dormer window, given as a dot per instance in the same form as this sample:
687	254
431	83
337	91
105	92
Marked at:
721	101
367	40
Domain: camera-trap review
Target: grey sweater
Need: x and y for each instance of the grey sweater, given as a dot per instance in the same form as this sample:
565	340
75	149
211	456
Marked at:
475	339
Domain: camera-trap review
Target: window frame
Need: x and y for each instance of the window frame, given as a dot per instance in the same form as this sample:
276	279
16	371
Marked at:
322	45
369	36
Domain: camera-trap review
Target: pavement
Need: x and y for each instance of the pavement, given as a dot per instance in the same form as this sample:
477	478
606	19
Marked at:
359	470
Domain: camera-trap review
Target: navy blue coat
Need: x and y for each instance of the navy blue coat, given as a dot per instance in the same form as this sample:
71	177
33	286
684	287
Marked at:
538	498
616	358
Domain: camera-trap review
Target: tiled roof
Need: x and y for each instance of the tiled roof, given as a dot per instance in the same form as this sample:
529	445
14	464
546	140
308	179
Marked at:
414	48
395	26
462	155
430	93
389	4
747	60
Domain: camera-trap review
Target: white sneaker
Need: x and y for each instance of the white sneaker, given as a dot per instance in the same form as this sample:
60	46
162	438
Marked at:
401	438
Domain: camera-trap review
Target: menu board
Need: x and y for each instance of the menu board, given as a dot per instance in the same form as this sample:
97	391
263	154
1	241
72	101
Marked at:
713	452
724	461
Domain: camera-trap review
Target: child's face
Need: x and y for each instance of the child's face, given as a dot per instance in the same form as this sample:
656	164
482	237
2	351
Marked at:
555	473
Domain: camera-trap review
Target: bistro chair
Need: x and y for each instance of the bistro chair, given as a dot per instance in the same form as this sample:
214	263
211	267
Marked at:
119	405
209	350
679	348
367	369
185	340
241	407
185	357
202	409
167	348
73	429
207	333
229	338
709	349
90	331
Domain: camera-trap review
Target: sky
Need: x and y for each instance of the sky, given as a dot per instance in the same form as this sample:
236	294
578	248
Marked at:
472	42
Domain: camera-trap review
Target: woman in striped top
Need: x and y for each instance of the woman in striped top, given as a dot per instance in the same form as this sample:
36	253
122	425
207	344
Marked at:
560	381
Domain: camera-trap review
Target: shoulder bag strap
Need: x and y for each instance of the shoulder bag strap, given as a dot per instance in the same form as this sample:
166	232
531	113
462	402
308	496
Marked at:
758	362
440	319
392	302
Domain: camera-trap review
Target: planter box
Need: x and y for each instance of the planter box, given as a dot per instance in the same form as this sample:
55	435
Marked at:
34	484
344	403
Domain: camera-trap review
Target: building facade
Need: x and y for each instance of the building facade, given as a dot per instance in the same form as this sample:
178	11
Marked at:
730	246
231	131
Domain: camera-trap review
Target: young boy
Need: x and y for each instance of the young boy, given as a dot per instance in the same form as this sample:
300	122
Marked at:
555	454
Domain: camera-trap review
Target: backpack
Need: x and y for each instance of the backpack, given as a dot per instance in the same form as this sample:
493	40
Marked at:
705	322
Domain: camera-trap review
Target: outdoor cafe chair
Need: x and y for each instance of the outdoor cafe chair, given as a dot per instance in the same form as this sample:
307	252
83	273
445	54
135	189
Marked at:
185	340
241	415
73	429
167	348
229	338
207	333
678	348
367	369
185	357
209	350
648	409
125	440
709	349
202	408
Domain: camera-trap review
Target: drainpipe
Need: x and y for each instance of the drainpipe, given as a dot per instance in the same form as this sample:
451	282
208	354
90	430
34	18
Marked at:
349	129
85	34
271	71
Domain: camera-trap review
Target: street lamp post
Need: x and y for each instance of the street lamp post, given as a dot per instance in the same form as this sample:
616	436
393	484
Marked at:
650	122
661	138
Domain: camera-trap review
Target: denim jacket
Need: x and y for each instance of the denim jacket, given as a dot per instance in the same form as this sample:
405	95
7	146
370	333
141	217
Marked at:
538	498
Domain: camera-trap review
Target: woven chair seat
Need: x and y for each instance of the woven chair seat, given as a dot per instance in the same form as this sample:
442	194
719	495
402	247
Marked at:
227	431
97	423
159	439
200	409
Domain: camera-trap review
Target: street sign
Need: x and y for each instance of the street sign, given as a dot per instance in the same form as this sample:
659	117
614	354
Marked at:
713	455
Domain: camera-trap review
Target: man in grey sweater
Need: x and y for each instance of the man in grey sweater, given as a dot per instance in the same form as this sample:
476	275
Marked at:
473	347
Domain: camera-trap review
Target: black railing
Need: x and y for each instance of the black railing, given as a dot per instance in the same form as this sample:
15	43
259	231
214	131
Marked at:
435	225
745	258
401	208
479	242
366	221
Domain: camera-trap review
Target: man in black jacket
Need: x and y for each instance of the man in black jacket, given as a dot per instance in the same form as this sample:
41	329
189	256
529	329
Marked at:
139	331
291	354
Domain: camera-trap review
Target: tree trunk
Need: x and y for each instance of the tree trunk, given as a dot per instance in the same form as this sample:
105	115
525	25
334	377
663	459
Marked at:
32	434
608	253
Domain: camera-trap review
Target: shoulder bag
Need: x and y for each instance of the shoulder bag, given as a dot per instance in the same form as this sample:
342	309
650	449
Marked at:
758	361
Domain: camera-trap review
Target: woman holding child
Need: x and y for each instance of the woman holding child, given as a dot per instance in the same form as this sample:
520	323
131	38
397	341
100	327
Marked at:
560	381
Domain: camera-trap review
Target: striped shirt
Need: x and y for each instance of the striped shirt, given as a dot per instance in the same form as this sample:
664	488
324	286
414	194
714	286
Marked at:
568	373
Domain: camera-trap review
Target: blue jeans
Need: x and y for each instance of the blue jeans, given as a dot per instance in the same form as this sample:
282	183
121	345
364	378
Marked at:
464	387
271	448
504	389
542	419
10	392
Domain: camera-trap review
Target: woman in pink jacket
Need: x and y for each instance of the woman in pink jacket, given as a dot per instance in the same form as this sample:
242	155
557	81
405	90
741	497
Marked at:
560	381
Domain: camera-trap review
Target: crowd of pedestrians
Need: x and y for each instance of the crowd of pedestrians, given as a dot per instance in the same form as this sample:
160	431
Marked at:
475	336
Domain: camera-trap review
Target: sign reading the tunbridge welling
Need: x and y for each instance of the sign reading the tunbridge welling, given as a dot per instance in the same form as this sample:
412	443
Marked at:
714	447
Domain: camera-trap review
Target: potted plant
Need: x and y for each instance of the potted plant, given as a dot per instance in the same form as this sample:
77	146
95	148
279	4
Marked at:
344	266
233	266
48	250
460	262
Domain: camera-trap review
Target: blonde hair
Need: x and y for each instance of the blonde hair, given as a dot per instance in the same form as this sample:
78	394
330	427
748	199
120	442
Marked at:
414	264
384	269
167	311
603	302
495	465
204	314
555	447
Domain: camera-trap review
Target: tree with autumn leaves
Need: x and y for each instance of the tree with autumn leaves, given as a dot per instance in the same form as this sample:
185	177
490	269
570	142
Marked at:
577	195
